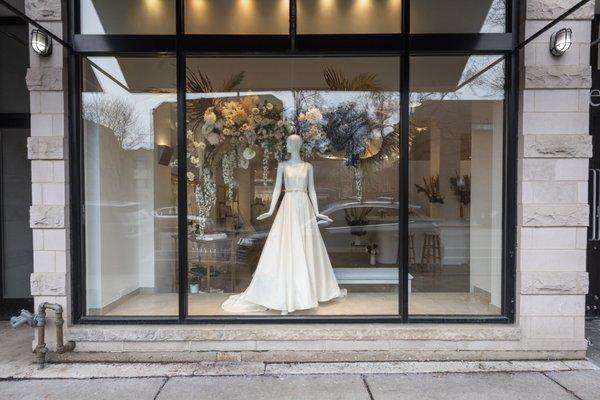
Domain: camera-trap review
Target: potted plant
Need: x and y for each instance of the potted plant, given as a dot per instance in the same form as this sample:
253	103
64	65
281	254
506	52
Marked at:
195	278
356	218
461	186
372	250
431	189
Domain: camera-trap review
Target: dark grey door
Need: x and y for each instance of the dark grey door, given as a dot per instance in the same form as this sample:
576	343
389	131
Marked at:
593	248
16	242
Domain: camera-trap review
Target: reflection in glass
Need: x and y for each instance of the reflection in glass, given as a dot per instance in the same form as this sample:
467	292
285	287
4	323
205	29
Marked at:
226	17
129	133
349	16
440	16
239	113
455	184
134	17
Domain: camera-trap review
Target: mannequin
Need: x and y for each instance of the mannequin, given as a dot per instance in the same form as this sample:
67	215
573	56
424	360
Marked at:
294	271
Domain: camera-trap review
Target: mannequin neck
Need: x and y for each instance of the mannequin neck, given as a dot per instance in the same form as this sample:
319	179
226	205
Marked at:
295	157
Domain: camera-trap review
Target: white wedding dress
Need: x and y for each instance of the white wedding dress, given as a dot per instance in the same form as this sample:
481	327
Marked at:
294	271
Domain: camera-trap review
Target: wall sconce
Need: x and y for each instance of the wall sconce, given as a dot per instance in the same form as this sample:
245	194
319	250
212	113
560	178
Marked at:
560	41
41	42
164	154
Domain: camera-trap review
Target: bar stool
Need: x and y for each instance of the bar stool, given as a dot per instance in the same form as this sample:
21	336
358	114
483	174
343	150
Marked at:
432	250
412	256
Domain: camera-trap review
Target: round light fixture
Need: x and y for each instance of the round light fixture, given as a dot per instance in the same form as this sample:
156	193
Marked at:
41	42
560	41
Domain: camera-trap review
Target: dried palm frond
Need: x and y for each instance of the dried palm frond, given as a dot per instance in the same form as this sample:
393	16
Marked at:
390	149
233	81
431	189
198	82
365	81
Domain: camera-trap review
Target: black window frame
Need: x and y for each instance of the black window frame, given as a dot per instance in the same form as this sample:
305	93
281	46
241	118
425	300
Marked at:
402	45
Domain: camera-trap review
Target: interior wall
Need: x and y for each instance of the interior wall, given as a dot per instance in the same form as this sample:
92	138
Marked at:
486	198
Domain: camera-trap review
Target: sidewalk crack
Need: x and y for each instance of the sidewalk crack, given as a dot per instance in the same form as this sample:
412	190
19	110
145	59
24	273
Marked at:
364	379
562	386
161	388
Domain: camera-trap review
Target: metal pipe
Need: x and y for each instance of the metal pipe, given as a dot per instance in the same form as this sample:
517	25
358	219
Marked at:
41	350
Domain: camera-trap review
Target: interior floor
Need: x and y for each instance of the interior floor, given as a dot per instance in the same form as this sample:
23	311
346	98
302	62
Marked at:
371	303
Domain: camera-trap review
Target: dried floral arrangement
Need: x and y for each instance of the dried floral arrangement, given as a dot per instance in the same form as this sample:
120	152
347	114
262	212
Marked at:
461	187
431	189
229	132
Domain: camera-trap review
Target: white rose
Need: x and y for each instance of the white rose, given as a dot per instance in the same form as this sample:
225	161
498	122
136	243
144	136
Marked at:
313	115
249	153
209	116
213	138
191	176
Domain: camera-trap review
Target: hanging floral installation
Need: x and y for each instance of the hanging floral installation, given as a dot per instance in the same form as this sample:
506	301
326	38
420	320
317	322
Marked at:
226	133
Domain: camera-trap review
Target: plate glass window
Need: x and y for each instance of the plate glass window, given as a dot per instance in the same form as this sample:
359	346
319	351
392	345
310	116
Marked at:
129	110
127	17
236	17
239	113
457	16
456	139
349	16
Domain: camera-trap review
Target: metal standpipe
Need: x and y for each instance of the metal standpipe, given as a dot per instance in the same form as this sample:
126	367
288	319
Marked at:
39	322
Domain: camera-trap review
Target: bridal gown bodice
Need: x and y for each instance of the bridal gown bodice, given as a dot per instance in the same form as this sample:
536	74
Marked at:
294	271
295	177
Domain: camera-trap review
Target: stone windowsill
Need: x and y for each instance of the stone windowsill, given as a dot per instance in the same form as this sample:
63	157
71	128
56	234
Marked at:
292	332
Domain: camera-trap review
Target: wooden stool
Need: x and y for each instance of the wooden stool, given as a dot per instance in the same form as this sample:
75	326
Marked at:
412	257
432	250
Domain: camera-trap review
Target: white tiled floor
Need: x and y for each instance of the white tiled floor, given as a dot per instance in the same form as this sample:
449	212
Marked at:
353	304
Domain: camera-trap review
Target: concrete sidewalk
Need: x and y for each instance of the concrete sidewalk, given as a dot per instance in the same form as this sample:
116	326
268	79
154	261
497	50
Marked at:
528	380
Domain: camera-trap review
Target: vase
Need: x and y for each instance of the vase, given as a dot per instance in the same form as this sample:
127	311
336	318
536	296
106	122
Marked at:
194	288
434	210
372	260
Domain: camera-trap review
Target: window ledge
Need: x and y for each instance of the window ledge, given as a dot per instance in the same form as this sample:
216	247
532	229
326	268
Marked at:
294	332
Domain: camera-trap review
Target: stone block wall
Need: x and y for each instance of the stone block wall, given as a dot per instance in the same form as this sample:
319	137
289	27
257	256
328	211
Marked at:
553	180
554	147
47	150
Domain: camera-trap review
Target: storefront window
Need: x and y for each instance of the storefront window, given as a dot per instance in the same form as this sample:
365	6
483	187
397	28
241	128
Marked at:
440	16
455	184
349	16
141	17
224	17
129	135
241	114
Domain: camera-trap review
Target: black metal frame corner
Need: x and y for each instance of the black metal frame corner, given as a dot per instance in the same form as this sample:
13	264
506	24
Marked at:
403	45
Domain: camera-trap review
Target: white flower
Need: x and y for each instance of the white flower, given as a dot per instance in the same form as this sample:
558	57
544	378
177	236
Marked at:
200	145
314	116
207	129
191	176
279	123
190	135
269	106
243	163
194	160
209	116
249	153
213	138
255	111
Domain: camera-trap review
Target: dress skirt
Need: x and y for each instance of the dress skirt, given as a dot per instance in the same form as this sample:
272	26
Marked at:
294	271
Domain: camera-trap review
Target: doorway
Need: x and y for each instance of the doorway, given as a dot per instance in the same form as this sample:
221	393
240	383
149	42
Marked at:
593	247
16	247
